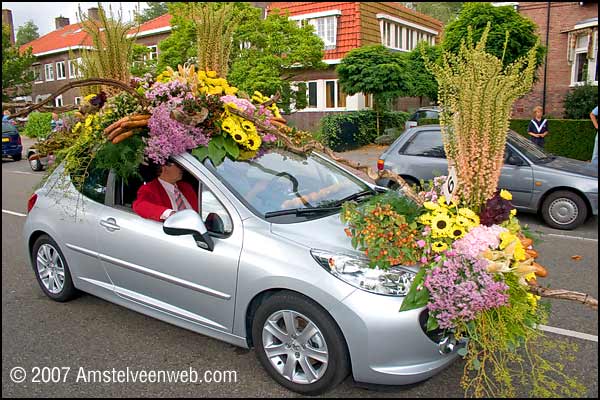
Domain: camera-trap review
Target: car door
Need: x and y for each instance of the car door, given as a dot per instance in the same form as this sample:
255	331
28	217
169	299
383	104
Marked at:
423	156
173	274
516	177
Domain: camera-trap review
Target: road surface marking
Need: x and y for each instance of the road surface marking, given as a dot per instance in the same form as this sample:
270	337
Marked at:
570	237
567	332
23	172
14	213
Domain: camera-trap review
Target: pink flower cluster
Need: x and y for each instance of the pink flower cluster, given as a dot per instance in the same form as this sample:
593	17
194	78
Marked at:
169	137
436	190
459	288
243	104
162	92
478	239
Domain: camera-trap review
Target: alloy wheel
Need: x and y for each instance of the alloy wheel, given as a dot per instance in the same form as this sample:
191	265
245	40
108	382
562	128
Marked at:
50	268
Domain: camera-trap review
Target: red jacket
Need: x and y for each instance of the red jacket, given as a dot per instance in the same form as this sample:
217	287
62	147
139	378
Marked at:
152	199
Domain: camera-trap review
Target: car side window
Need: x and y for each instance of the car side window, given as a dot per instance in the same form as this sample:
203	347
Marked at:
94	186
426	144
211	205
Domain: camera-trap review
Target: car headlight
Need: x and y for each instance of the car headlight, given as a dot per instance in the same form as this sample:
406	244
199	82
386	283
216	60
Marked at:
355	270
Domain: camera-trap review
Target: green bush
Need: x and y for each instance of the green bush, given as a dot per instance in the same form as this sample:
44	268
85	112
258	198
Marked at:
428	121
351	130
572	138
38	125
580	102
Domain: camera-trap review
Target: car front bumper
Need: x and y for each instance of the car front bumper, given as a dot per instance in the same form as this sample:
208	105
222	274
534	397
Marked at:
387	346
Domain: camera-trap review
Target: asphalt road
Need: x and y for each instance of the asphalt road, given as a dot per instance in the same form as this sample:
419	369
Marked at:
90	334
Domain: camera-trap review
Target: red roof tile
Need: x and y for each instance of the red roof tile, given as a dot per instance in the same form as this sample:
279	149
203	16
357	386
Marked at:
72	35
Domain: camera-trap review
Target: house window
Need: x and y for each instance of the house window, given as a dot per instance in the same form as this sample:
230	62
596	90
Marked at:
37	73
58	101
368	100
77	101
74	69
334	95
49	71
585	69
399	34
60	70
312	94
326	29
153	54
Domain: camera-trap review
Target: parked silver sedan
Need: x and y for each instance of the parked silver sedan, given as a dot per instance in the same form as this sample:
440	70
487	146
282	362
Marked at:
266	265
564	191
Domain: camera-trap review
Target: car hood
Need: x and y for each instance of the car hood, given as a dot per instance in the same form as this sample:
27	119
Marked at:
325	233
571	166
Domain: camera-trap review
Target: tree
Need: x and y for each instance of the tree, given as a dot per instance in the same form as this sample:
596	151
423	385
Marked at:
421	81
375	70
27	33
16	66
155	9
442	11
268	54
521	30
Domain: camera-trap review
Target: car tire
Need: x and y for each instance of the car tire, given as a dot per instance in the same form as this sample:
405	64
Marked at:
564	210
270	329
36	165
51	270
17	157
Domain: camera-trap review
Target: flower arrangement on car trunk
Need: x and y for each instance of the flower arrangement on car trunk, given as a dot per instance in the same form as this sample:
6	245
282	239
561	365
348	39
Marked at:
475	261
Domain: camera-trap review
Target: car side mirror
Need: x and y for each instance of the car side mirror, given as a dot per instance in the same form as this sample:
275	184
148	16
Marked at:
215	224
514	160
188	222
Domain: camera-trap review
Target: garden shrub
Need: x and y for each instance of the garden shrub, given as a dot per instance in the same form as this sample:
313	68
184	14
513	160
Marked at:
580	101
357	128
38	125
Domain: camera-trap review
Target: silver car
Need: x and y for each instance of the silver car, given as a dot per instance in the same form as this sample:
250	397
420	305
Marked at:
564	191
266	265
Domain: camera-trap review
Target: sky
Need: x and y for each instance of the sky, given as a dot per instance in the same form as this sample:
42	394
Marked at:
43	13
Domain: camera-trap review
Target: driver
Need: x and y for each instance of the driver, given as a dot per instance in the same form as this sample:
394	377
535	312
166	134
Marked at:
165	195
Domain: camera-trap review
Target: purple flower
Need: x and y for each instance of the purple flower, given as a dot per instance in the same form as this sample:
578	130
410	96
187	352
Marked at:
421	243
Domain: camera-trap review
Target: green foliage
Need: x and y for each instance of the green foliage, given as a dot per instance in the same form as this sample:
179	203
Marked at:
27	33
15	67
268	54
141	64
337	130
567	137
421	81
428	121
374	70
522	32
180	46
580	101
442	11
38	125
155	9
124	158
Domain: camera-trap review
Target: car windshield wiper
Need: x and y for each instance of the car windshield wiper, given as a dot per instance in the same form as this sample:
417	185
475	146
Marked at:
355	196
300	211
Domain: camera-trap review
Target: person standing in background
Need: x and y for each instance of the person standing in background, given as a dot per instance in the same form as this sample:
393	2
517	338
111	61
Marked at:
538	127
594	118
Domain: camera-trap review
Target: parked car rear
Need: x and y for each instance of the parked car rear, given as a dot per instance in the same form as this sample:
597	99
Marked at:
11	142
420	114
562	190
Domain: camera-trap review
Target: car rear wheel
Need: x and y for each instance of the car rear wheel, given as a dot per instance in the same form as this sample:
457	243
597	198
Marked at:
564	210
51	270
299	344
17	157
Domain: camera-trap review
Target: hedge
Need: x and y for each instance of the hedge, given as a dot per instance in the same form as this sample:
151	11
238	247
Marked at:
351	130
38	125
572	138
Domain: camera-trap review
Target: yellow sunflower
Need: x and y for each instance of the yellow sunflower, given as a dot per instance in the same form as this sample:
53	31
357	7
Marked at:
441	225
505	194
457	231
463	221
248	127
426	218
253	142
239	136
228	125
430	205
439	246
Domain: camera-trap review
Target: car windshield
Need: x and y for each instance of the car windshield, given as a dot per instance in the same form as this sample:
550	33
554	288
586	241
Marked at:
533	152
283	183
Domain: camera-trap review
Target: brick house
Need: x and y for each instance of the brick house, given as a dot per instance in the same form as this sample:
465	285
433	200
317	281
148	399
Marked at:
572	43
58	53
344	26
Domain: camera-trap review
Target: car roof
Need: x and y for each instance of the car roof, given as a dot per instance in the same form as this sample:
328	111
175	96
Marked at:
7	126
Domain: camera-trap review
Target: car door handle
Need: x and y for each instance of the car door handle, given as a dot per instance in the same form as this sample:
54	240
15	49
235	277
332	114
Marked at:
110	224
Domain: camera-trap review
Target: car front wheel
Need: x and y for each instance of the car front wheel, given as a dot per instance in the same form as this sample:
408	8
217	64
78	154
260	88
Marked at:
299	344
51	270
564	210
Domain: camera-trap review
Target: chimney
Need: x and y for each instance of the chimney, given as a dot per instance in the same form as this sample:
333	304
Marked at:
8	20
93	13
61	22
